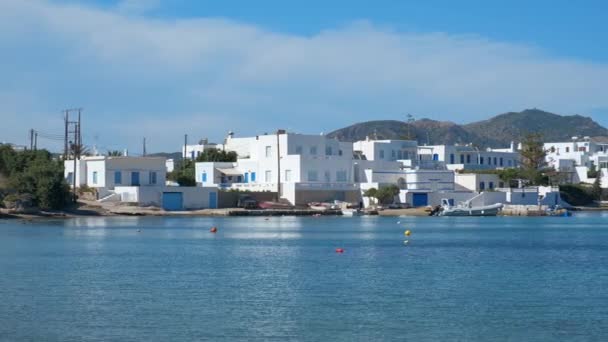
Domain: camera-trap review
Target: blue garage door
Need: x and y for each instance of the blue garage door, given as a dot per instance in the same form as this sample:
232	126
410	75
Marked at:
172	201
420	200
213	200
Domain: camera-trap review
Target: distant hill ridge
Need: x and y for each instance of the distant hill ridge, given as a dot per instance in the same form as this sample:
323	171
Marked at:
498	131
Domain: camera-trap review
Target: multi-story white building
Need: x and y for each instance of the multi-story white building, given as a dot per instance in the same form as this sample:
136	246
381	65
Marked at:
388	150
459	157
302	168
576	157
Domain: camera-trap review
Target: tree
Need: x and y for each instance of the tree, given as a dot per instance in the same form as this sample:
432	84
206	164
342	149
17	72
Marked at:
35	174
592	172
215	155
371	193
387	194
114	153
183	174
596	189
533	160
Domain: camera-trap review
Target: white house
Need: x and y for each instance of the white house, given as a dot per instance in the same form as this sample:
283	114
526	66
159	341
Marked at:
574	158
104	173
459	157
388	150
478	181
139	180
193	151
302	168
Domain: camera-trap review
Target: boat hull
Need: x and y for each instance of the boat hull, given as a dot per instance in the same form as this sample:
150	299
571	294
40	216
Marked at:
491	210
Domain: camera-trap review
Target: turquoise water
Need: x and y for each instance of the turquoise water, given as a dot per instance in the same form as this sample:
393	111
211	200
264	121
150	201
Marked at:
99	279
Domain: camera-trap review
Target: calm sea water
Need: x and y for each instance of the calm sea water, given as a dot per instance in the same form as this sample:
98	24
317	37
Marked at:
100	279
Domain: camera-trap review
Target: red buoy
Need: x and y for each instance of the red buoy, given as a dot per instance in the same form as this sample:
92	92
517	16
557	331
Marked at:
339	250
213	229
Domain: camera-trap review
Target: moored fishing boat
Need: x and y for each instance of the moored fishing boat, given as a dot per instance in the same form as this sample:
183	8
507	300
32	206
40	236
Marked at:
467	209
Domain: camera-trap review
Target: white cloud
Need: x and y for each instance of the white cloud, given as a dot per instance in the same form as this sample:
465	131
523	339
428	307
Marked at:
249	79
137	6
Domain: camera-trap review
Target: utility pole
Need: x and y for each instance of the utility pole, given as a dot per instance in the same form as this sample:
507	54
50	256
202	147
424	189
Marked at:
279	165
36	141
144	151
185	144
65	139
75	144
31	139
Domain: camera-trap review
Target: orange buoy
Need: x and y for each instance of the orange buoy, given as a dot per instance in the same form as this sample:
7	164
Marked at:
339	250
213	229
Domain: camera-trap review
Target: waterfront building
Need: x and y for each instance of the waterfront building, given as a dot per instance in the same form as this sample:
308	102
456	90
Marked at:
466	157
139	180
575	158
300	168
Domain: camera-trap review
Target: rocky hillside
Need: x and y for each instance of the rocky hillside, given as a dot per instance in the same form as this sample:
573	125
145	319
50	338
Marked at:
498	131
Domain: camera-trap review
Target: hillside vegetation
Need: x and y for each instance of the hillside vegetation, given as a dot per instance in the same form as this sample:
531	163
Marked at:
498	131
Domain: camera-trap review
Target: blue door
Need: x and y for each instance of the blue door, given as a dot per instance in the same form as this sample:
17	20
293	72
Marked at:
173	201
213	200
135	178
420	200
246	177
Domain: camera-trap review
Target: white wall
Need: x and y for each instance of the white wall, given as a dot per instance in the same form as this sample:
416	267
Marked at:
193	197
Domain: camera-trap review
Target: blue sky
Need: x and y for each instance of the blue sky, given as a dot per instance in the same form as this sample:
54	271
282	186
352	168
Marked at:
160	68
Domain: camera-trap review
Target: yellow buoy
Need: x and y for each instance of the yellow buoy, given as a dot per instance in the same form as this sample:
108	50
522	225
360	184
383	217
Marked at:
407	233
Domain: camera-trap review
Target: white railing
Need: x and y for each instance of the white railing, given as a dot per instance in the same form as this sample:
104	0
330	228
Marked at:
328	186
252	186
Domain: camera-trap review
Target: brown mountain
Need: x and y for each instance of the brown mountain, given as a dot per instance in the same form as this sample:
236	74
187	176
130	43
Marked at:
498	131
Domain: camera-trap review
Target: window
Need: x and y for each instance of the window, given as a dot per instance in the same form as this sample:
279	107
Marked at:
152	177
339	152
313	176
299	149
288	175
253	176
510	162
94	177
452	158
462	159
582	149
340	176
501	184
239	179
393	154
501	161
313	150
328	151
491	185
436	157
468	159
482	186
567	149
204	177
400	154
381	154
117	177
495	161
481	160
327	176
268	151
70	178
268	176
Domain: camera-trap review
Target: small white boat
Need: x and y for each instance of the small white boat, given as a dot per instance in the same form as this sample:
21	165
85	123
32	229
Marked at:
466	209
352	212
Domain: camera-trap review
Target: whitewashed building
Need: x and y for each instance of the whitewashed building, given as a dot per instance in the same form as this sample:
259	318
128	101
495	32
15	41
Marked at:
193	151
302	168
576	157
459	157
139	180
